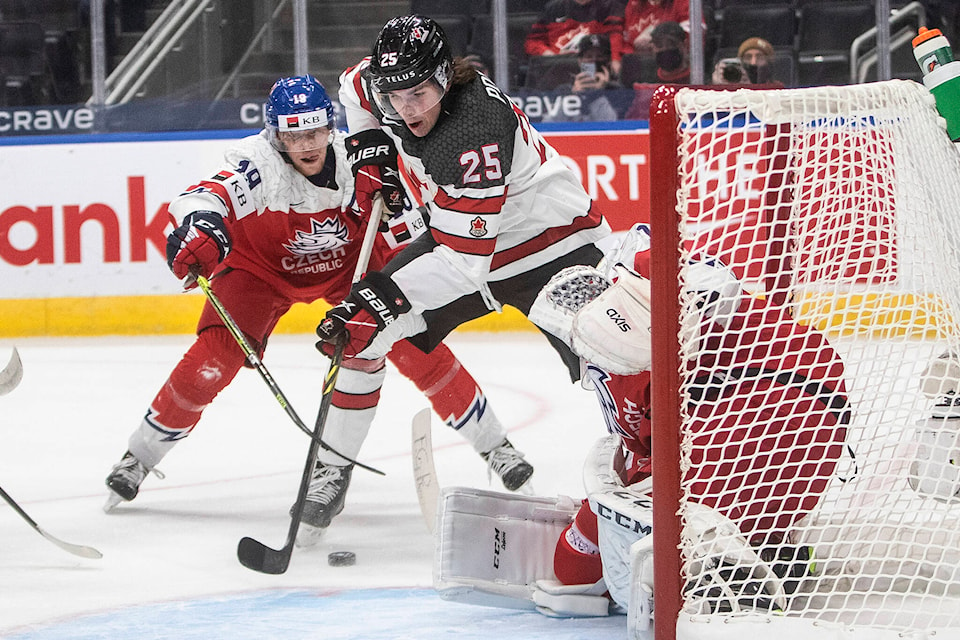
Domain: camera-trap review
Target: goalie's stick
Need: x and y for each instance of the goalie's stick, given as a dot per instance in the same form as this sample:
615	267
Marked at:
261	368
12	373
75	549
252	553
424	469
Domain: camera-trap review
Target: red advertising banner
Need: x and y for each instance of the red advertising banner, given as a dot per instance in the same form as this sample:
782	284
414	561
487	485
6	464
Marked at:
614	168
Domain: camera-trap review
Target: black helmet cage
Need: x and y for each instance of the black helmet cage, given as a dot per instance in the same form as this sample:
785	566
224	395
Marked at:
409	51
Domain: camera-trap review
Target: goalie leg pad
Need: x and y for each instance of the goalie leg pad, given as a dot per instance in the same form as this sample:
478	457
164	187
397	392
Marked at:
624	516
491	547
725	573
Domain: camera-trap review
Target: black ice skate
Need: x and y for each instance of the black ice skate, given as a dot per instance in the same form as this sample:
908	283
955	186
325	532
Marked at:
509	464
125	479
327	494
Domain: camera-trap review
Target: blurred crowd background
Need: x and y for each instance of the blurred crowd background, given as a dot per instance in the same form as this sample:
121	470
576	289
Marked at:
192	64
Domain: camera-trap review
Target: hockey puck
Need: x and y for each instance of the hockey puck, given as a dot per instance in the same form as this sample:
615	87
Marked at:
342	559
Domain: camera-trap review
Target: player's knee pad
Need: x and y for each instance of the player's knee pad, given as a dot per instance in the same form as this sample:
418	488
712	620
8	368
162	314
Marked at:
208	366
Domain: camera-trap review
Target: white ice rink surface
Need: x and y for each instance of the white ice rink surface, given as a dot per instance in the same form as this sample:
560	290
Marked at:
169	566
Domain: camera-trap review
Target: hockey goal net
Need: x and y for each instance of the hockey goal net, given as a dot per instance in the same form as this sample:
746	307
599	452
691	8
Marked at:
828	445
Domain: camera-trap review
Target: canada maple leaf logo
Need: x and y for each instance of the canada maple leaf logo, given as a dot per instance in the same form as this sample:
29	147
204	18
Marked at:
478	227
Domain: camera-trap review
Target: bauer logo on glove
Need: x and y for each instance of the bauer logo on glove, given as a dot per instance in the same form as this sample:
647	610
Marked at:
374	302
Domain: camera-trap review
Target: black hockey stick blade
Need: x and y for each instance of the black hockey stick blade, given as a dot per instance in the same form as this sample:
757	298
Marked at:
11	374
259	557
75	549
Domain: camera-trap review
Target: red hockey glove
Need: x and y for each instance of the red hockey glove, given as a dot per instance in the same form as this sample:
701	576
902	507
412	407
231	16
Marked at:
373	158
199	244
373	303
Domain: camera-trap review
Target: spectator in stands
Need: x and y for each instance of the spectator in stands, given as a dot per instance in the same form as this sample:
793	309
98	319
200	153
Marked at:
756	55
753	65
596	84
672	56
563	23
671	53
641	16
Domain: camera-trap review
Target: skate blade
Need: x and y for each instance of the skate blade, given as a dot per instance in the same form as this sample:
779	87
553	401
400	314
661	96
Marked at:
526	489
112	501
309	535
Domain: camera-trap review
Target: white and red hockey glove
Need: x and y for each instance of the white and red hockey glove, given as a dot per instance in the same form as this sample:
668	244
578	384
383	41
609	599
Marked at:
373	303
373	159
198	245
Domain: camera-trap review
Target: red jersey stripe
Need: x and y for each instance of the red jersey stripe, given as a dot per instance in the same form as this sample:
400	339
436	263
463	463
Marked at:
546	239
472	246
469	205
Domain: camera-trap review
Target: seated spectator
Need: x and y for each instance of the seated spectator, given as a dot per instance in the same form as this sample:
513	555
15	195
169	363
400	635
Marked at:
671	53
594	56
563	23
672	57
641	16
756	55
753	65
596	84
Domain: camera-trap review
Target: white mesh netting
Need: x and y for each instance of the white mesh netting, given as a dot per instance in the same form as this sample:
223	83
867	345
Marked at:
804	419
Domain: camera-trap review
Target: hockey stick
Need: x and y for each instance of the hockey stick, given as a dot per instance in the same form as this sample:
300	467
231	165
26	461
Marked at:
257	364
75	549
424	470
252	553
9	379
12	374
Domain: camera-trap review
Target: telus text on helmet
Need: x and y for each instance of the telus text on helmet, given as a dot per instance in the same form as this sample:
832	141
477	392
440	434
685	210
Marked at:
400	77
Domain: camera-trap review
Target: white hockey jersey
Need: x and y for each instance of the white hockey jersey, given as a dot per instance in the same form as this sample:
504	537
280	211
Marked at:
501	201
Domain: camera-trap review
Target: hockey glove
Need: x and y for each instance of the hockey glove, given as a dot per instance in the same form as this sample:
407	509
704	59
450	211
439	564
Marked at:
373	303
373	158
198	245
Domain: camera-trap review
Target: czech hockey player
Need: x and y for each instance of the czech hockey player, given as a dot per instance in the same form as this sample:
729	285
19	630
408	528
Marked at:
276	225
766	389
758	393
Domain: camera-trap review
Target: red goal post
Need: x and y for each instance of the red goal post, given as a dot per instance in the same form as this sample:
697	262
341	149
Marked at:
810	414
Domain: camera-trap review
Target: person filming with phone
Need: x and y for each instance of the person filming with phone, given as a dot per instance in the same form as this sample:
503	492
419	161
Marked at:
595	83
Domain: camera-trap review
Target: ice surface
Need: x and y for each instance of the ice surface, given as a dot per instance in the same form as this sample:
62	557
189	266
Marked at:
170	569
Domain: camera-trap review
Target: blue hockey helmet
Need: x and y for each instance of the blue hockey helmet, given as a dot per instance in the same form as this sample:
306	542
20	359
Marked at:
299	114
